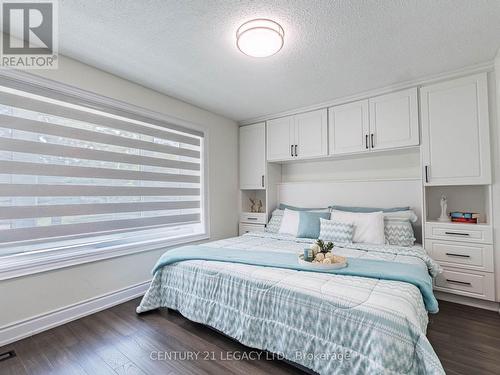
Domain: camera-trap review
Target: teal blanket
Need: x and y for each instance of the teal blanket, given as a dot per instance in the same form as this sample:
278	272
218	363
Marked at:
416	274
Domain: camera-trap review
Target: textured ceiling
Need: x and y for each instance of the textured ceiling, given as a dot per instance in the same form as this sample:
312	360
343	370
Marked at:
332	49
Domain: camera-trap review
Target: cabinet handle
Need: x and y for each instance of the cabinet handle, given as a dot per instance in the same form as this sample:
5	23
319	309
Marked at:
457	255
291	151
296	154
457	234
252	218
457	282
373	143
366	141
262	180
426	173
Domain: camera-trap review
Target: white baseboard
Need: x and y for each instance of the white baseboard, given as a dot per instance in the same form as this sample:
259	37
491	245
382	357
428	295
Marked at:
474	302
31	326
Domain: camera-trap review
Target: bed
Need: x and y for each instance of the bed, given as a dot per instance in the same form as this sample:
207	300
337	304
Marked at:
329	323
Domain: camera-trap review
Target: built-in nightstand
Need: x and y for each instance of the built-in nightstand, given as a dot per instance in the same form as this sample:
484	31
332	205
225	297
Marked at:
464	251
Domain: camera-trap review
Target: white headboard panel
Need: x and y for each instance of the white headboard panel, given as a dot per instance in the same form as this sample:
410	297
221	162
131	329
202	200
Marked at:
368	193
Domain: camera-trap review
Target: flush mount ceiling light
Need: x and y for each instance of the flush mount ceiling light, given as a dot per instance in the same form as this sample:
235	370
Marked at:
260	37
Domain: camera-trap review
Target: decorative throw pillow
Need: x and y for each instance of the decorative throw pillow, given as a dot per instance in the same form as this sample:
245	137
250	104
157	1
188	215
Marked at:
399	232
309	224
274	224
336	231
290	222
368	227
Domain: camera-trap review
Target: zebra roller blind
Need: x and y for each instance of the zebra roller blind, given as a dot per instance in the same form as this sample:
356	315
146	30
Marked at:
71	171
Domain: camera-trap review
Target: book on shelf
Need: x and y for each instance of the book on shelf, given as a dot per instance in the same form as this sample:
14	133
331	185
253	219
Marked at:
464	220
464	215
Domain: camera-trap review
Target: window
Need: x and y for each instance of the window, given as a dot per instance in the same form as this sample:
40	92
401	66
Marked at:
73	175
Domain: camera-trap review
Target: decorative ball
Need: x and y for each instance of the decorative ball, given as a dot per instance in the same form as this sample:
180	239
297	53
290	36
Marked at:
319	257
315	248
329	255
327	261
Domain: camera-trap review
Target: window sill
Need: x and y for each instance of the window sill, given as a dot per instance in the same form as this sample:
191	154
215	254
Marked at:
36	262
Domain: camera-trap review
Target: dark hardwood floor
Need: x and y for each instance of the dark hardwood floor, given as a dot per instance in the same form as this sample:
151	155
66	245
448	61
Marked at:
117	341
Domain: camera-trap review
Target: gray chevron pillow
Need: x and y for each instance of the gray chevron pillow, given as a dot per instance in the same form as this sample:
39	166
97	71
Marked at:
336	231
399	232
275	222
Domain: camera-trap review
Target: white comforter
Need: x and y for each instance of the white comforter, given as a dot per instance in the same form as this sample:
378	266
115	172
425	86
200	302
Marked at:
333	324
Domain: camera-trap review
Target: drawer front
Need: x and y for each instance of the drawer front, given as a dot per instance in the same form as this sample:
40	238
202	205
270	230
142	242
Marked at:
253	217
459	232
477	284
461	254
245	228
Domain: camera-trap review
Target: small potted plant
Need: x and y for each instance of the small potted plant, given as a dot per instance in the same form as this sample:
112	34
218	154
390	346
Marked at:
324	247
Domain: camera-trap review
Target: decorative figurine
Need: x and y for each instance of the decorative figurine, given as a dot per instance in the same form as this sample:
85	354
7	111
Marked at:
259	206
252	207
444	208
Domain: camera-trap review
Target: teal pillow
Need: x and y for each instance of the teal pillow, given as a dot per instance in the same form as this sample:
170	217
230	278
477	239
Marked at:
309	224
369	209
283	206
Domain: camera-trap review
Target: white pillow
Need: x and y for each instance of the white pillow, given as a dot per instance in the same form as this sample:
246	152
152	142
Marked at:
368	227
408	215
290	222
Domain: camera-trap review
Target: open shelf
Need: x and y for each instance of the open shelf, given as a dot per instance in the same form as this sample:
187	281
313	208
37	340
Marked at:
257	195
466	198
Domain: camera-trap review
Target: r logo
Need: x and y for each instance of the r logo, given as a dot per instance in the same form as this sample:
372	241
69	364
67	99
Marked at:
28	28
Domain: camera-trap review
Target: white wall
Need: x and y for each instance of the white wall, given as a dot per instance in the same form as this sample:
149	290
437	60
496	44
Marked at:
37	294
375	165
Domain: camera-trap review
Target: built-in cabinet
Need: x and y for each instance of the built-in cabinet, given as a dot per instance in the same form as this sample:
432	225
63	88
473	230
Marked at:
465	252
394	120
349	129
380	123
258	179
280	139
301	136
455	132
253	156
455	155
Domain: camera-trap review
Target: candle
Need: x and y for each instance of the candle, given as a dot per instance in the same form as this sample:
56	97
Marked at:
308	255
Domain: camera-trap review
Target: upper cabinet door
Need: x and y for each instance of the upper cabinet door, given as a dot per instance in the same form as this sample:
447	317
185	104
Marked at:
348	128
253	156
455	132
280	139
311	129
394	120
